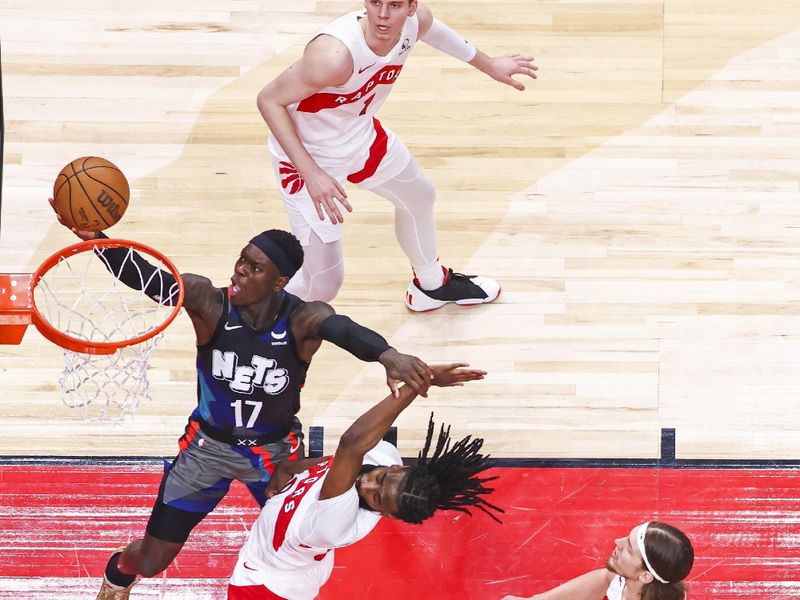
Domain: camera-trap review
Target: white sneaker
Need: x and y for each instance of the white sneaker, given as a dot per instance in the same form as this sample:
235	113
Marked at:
458	288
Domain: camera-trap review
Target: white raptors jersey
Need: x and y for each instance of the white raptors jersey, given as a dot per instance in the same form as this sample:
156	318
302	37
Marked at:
616	588
337	121
290	547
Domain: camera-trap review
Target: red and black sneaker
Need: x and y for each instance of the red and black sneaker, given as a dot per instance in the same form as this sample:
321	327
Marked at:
458	288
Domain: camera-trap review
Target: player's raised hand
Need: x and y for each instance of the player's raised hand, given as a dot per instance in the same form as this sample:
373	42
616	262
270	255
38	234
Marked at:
325	192
81	233
454	374
408	369
502	68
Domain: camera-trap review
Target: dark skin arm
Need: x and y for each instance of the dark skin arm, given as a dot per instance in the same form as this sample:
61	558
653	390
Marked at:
203	304
306	322
370	428
202	301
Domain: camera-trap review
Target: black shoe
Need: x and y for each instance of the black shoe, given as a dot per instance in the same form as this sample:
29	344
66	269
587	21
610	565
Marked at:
458	288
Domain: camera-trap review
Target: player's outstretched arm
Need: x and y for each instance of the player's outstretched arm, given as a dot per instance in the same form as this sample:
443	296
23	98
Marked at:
81	233
202	301
317	321
370	427
589	586
500	68
326	62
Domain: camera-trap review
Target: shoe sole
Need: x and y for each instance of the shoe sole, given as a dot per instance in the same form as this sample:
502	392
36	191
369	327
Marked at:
441	303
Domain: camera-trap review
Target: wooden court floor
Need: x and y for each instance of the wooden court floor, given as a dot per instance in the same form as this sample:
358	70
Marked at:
640	204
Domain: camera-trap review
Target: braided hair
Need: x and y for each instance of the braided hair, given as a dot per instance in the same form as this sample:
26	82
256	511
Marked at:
447	480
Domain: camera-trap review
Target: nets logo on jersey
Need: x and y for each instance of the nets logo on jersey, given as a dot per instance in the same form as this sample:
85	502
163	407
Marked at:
243	379
290	178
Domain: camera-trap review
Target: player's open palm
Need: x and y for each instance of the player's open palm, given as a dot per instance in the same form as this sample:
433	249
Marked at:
501	68
325	192
81	233
454	374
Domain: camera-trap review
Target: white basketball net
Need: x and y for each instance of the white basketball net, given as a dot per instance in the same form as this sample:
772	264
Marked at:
108	387
81	297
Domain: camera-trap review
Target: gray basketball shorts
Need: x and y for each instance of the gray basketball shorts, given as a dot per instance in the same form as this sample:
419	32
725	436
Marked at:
201	475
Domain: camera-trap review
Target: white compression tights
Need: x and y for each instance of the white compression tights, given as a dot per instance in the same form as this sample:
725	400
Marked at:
322	273
413	196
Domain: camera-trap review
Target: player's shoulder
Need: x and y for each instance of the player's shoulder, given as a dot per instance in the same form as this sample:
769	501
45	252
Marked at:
307	317
602	576
312	309
424	17
202	299
327	56
614	584
200	287
195	280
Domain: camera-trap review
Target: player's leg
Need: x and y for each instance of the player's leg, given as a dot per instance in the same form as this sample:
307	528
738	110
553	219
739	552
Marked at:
151	555
190	489
148	557
413	197
322	273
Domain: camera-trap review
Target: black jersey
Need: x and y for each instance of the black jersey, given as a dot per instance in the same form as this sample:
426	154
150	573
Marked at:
249	381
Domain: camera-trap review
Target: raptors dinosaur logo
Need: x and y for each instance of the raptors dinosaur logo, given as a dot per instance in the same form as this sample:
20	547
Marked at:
290	178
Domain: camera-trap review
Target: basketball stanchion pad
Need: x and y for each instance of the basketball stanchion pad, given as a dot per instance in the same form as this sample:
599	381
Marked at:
316	440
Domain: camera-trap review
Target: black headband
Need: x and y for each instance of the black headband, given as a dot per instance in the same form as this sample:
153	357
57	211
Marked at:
274	252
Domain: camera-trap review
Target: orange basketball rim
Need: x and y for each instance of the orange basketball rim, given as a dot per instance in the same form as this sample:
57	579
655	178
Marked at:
77	301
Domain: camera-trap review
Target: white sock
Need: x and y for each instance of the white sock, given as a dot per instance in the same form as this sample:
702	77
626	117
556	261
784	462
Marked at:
430	276
413	196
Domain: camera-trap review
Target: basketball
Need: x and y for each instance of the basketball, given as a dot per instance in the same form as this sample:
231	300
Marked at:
90	193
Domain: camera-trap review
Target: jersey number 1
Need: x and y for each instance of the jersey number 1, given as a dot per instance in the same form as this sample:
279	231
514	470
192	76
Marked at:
366	105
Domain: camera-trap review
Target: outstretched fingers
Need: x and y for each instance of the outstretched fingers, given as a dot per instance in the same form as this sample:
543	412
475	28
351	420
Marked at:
455	374
328	205
424	370
81	233
505	67
525	66
326	192
341	196
460	376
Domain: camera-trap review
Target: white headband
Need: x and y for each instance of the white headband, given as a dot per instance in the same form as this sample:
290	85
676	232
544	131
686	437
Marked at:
640	542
